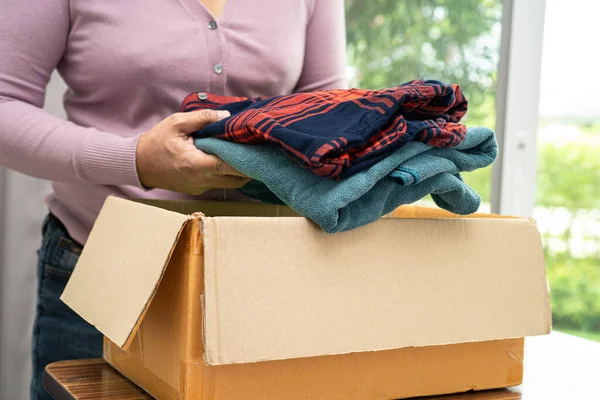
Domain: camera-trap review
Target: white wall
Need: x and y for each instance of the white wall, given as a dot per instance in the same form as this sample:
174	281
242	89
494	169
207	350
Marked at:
21	213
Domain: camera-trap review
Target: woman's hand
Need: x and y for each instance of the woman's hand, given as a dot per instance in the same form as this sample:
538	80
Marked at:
166	157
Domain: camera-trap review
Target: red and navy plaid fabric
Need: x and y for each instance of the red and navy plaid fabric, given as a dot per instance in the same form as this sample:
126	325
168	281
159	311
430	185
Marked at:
337	133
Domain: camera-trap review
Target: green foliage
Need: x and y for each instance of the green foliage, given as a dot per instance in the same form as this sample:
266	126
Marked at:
569	176
590	128
575	291
590	335
480	180
391	42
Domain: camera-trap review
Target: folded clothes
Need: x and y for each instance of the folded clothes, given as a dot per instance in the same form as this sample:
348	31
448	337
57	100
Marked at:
341	132
405	176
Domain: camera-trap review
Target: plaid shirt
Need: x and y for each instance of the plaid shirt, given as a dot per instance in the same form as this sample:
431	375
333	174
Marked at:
337	133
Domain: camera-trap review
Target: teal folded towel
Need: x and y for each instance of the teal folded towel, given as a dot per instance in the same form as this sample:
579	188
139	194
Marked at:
407	175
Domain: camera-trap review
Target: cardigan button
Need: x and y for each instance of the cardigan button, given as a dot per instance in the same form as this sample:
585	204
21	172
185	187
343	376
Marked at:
202	96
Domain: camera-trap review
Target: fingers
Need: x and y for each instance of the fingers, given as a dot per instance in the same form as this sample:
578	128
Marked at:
226	182
193	121
214	165
221	168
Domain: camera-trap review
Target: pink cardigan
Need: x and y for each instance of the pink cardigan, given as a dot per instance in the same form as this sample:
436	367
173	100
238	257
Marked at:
130	64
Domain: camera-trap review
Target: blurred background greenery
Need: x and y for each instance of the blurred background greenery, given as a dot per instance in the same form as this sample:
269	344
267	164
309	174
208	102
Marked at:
391	42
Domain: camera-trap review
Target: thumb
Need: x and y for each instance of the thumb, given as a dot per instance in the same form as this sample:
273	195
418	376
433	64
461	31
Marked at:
222	168
194	121
214	164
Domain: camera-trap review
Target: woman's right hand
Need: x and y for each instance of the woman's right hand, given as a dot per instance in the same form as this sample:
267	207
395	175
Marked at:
166	157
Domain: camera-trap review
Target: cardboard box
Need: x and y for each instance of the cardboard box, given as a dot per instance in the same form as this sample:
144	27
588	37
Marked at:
247	301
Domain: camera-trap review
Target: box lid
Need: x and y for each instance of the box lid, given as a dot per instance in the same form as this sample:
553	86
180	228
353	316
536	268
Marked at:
121	265
278	288
126	253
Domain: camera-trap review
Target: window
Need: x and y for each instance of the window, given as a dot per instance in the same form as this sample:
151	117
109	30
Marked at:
553	164
391	42
568	173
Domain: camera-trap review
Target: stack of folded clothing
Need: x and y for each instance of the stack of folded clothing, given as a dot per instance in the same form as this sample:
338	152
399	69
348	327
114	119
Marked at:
344	158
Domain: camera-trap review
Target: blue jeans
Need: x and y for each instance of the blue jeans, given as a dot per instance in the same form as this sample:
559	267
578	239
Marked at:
58	332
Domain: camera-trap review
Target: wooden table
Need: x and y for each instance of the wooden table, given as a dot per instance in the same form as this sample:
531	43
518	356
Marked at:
557	366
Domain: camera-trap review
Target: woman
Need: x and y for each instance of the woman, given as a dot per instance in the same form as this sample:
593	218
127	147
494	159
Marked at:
128	65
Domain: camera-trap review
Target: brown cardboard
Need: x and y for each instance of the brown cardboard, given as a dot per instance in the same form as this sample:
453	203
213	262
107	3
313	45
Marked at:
279	289
469	283
390	374
118	272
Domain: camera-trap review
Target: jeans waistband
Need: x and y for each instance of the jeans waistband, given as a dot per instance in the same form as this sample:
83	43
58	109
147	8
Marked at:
51	221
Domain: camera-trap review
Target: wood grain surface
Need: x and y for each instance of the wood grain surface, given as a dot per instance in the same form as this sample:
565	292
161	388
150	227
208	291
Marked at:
557	366
89	379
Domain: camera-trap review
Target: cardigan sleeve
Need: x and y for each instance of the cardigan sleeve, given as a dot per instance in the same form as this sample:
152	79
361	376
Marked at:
34	38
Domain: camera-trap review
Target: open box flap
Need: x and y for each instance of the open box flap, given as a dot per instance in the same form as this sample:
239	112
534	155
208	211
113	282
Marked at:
121	266
282	288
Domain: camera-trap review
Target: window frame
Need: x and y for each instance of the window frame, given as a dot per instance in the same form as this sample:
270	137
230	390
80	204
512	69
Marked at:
517	101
